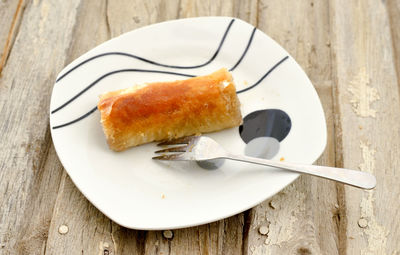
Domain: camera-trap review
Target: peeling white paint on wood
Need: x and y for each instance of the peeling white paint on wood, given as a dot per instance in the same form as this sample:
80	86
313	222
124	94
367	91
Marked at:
368	156
281	219
363	95
374	232
366	76
300	27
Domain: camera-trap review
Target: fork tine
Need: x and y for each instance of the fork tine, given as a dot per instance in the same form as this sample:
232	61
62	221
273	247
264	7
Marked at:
178	156
183	140
173	149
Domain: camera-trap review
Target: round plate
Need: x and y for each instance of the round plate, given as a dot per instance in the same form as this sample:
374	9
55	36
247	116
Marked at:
138	192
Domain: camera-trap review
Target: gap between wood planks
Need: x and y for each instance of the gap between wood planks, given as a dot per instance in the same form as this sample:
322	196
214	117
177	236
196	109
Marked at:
340	215
107	21
393	9
12	33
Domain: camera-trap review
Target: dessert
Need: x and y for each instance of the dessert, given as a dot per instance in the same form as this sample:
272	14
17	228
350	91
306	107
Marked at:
168	110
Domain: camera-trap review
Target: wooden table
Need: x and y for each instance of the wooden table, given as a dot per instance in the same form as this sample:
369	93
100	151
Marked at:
349	49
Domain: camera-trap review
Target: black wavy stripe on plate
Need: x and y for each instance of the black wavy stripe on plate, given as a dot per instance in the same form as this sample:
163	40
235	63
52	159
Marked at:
143	70
245	50
76	120
264	76
154	71
151	61
157	71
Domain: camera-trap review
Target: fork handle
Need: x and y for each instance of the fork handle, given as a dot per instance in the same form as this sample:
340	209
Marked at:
347	176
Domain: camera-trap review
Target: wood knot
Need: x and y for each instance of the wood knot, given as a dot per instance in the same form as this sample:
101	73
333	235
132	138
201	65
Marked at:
303	251
136	19
168	234
272	204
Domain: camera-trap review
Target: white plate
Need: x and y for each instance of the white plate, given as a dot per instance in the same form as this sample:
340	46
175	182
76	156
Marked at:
137	192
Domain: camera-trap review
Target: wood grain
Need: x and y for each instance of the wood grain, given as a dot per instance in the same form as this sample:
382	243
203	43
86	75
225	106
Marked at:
30	172
299	219
125	15
393	8
368	105
89	231
11	13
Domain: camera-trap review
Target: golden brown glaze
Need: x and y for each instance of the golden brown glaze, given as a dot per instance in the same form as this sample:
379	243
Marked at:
167	110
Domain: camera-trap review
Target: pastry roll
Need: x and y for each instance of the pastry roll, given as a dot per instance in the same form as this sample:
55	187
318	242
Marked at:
168	110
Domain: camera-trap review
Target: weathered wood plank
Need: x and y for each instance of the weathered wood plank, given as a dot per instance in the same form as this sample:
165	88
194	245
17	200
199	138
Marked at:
78	227
301	218
32	234
29	170
369	119
88	230
393	7
11	13
222	237
125	15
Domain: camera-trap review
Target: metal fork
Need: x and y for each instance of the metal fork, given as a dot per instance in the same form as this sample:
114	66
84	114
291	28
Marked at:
201	148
